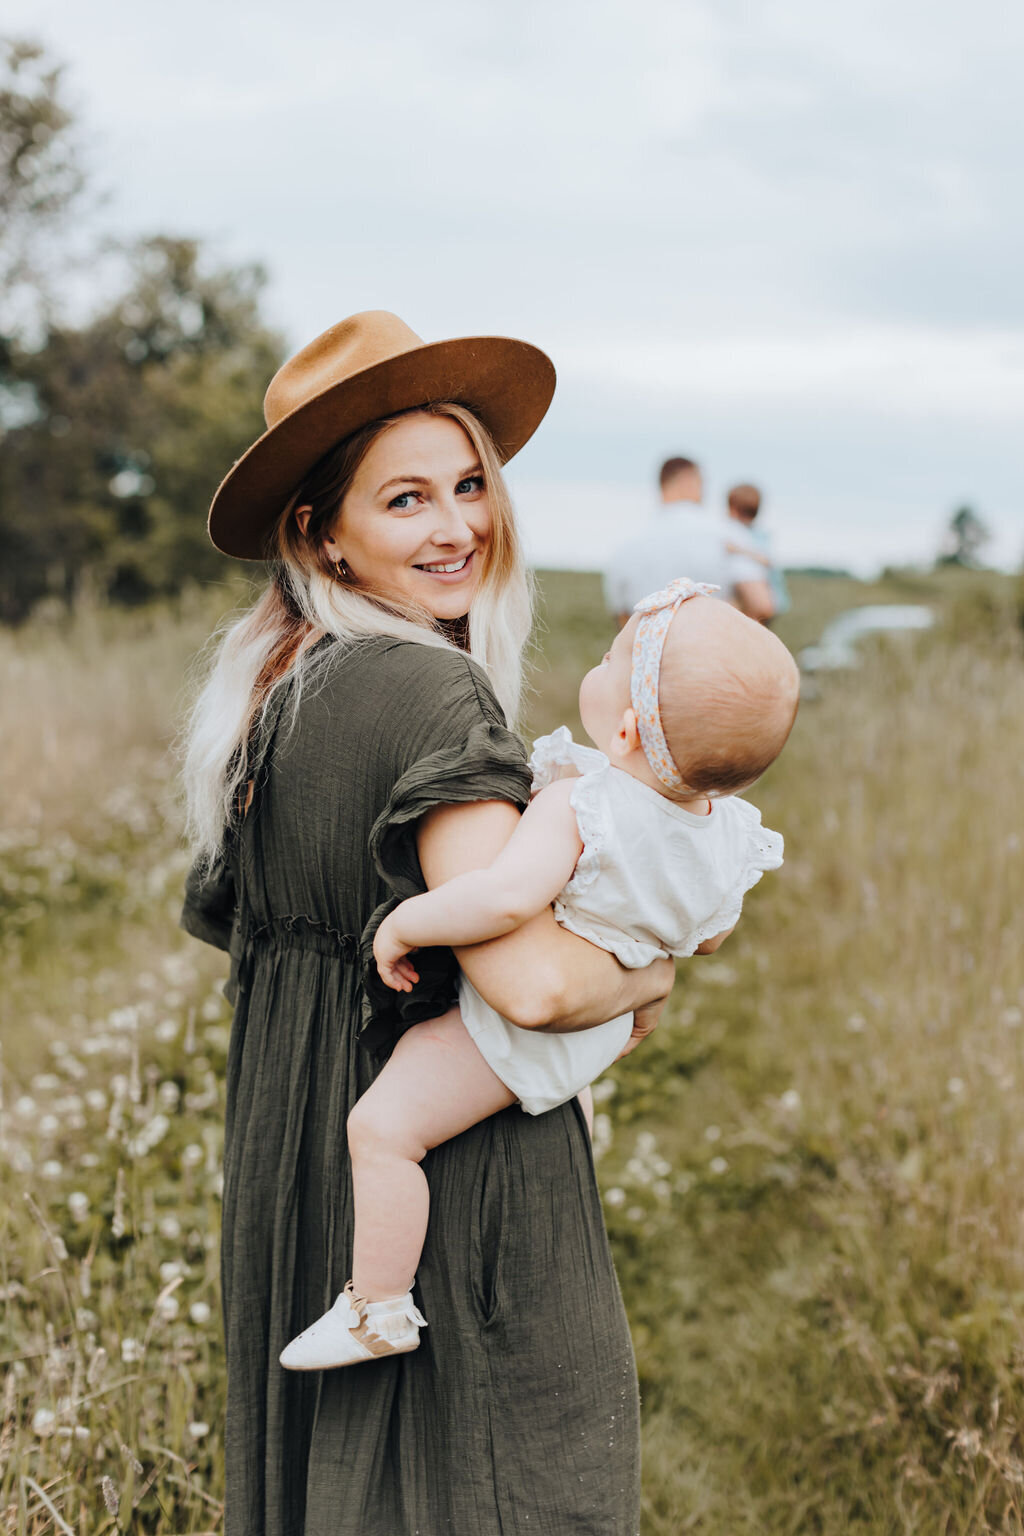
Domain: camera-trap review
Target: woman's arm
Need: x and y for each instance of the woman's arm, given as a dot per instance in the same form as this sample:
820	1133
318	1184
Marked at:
527	875
539	976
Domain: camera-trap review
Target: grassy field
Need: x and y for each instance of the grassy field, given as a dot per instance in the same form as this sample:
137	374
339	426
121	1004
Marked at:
811	1172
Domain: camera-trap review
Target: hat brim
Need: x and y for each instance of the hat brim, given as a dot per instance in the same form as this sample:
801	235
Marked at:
507	384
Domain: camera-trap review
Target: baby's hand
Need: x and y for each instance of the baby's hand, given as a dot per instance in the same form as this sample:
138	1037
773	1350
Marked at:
390	953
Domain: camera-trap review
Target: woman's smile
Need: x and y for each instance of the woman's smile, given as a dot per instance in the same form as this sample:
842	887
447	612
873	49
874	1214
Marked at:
451	572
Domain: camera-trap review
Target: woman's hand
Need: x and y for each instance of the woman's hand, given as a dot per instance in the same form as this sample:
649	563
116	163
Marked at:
645	1021
539	976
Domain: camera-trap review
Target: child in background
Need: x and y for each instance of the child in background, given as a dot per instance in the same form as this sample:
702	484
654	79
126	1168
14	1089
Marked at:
644	849
744	503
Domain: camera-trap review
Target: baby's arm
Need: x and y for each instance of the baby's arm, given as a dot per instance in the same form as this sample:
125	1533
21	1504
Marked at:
527	875
709	946
751	554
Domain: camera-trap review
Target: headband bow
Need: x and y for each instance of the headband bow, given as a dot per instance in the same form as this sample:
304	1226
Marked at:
656	614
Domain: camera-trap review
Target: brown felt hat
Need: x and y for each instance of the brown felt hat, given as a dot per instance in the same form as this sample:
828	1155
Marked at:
366	367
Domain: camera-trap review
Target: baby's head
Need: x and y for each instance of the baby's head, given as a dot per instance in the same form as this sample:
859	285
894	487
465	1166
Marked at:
727	697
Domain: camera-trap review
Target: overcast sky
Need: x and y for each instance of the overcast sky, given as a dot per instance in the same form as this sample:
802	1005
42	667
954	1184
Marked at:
782	238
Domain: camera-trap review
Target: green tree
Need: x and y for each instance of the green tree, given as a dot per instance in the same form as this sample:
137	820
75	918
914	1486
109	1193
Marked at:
113	429
126	424
966	537
41	180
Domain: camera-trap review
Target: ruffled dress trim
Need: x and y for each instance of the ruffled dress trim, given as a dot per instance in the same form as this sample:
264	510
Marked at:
551	754
489	765
764	852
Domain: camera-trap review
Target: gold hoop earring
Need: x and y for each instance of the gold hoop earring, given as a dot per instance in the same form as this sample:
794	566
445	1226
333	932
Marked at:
341	571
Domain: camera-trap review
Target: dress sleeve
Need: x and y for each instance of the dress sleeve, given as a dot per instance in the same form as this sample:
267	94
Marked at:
209	909
465	752
764	850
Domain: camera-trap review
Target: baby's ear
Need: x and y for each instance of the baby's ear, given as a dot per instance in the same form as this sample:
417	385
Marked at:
627	738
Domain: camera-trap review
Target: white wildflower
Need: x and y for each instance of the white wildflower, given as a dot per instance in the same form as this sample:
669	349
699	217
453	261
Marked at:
169	1228
718	1165
168	1095
615	1196
955	1087
168	1308
855	1023
200	1314
51	1169
44	1422
96	1100
167	1030
713	1133
171	1269
197	1429
192	1155
25	1107
790	1101
78	1205
131	1351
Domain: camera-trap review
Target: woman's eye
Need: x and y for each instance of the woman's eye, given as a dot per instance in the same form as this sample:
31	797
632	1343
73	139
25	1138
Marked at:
469	485
403	503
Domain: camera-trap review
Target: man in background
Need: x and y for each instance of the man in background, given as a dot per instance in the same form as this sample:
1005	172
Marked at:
744	503
685	540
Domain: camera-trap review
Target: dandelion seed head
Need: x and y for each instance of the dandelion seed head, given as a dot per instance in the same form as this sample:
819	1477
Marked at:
719	1165
200	1313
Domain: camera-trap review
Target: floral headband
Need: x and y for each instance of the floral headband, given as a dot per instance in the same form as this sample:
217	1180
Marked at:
656	614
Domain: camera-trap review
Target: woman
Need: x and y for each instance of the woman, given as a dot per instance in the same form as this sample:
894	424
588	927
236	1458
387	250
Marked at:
344	752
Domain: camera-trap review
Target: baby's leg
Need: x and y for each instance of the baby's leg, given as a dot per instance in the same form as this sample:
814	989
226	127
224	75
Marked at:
435	1085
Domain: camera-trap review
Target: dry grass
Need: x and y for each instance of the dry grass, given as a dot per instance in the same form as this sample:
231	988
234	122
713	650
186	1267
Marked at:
811	1172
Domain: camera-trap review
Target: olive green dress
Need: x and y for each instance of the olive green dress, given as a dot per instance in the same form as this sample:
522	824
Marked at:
518	1413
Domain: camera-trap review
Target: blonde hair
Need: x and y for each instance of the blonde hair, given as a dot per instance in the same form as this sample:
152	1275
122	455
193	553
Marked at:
271	644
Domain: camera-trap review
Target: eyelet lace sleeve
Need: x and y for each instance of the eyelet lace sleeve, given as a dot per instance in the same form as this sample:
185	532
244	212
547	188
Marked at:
764	852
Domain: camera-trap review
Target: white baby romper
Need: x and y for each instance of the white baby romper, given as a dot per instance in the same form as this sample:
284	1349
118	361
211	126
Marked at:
653	879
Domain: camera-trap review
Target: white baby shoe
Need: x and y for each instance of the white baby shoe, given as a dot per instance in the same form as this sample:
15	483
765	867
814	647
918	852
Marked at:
355	1330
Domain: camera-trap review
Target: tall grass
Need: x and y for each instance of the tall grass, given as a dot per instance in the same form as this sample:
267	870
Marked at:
811	1172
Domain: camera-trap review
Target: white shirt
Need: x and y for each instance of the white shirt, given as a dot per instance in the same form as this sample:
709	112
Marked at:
681	540
653	879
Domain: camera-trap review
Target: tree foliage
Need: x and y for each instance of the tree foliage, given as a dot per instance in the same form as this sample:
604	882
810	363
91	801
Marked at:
41	177
115	428
966	536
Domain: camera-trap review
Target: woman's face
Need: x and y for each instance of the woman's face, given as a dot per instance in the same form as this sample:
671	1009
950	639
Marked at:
416	521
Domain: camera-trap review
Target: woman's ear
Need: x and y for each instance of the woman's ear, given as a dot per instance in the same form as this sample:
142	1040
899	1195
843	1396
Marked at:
302	516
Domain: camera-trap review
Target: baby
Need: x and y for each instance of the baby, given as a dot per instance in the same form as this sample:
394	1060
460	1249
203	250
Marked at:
644	850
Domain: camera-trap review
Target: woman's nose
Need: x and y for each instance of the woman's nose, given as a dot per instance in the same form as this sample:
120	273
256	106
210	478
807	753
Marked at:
452	526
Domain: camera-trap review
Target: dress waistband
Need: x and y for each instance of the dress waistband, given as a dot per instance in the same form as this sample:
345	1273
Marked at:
297	931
